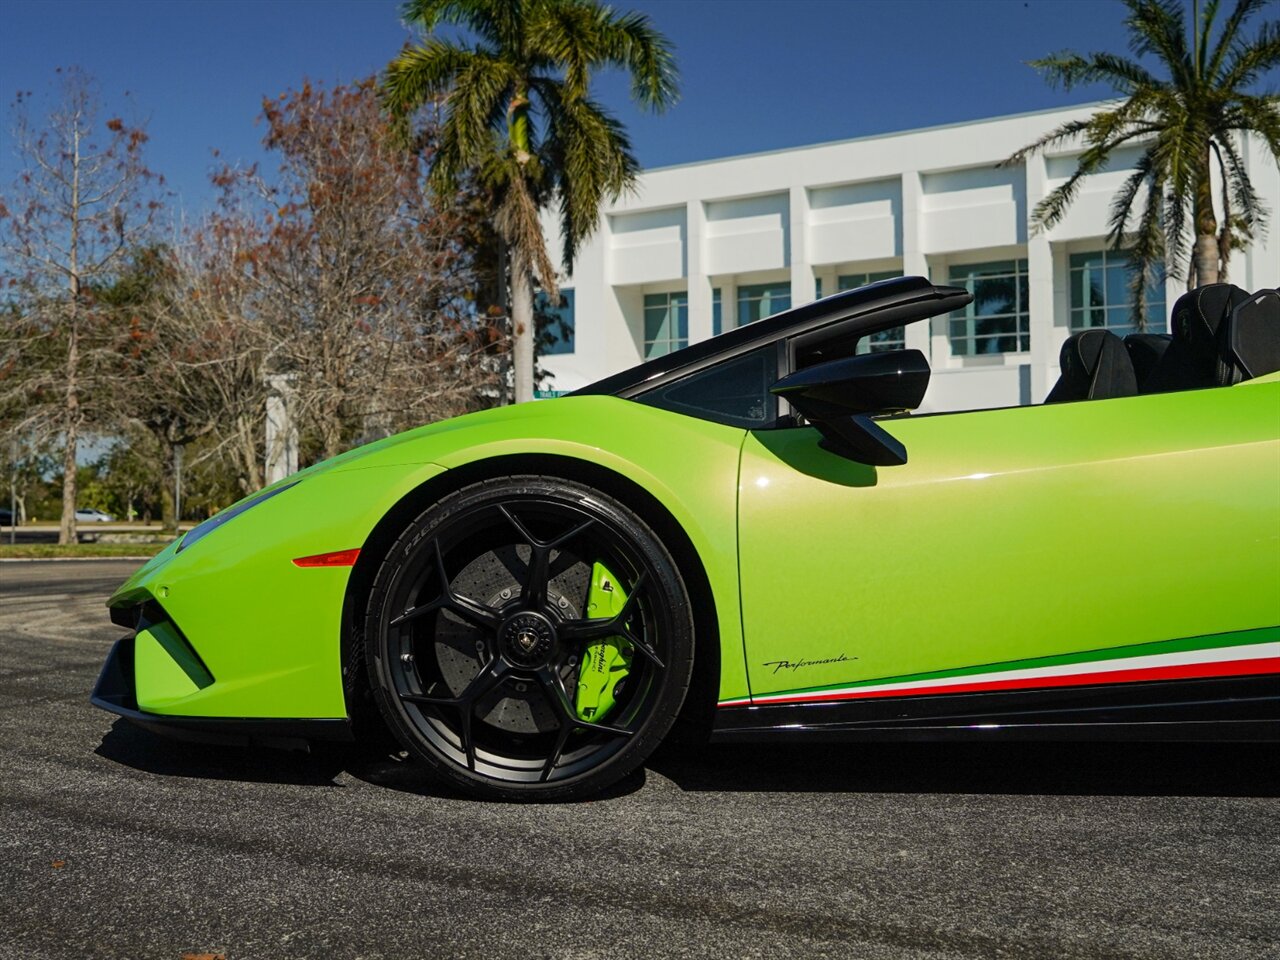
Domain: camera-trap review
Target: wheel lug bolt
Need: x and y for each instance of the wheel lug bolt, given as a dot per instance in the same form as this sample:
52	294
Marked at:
406	658
521	687
563	603
573	661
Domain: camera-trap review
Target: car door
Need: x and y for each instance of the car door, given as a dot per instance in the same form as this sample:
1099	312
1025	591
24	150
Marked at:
1016	548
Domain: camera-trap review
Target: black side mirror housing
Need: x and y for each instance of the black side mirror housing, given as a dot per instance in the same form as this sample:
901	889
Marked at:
839	396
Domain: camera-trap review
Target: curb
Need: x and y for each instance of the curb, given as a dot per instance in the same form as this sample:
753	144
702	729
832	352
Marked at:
65	559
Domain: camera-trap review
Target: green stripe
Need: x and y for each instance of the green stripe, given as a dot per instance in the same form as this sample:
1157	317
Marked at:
1210	642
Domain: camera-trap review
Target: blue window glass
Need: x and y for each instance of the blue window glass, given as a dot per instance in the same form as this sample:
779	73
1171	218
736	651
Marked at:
555	324
1100	294
715	313
997	321
666	323
759	300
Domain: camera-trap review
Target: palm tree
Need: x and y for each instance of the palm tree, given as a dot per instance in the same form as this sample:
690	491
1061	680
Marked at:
518	116
1186	125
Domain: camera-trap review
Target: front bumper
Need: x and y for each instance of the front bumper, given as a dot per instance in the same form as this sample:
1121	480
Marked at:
116	692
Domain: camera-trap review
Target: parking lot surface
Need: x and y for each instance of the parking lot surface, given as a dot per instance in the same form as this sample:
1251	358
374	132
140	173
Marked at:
118	844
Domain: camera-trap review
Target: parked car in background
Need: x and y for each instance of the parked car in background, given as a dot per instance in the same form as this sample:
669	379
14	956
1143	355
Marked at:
94	516
7	517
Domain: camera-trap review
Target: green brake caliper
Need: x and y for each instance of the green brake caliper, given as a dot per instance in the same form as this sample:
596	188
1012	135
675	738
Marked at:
606	662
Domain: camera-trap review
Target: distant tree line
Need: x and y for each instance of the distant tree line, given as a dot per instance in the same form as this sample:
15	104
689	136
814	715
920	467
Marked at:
338	270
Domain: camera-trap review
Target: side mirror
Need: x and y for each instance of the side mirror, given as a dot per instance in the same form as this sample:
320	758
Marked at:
838	396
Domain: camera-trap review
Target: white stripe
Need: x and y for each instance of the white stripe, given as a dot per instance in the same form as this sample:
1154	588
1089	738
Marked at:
1248	651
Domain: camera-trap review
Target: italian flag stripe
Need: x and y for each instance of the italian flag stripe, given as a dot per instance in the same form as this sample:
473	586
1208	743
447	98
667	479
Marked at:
1246	653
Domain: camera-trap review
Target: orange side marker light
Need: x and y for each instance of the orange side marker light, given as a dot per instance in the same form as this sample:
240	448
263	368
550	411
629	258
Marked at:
339	558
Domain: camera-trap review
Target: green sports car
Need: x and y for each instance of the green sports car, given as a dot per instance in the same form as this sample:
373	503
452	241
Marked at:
753	536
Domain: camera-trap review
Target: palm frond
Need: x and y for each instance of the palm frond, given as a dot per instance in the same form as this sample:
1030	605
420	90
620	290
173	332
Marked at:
518	223
1069	69
592	157
1122	202
1241	203
1146	251
1227	42
630	41
1249	60
1056	137
1157	28
1259	115
473	84
497	21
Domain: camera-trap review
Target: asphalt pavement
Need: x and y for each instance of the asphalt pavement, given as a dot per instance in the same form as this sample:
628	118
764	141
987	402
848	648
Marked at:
115	843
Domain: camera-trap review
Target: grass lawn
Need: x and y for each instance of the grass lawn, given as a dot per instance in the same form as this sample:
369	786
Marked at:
51	551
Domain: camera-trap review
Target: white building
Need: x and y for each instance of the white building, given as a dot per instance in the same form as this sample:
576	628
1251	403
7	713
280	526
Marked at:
702	246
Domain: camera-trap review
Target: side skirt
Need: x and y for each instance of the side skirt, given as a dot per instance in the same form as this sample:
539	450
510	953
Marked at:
1237	708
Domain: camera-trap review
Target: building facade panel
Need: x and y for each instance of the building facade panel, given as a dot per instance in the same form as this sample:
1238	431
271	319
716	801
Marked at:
702	247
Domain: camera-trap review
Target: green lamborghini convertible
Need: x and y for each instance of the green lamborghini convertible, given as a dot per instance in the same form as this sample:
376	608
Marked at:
754	537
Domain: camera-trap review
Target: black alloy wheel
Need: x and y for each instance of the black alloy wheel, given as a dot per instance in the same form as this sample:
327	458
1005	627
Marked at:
478	628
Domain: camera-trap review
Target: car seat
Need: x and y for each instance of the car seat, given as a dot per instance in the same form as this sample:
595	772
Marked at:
1095	366
1192	358
1145	351
1249	339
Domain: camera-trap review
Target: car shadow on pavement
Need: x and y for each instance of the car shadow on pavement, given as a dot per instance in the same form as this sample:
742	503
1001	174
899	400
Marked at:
1072	769
150	752
142	750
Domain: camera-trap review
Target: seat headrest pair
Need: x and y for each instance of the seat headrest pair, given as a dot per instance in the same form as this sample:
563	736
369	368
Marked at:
1095	366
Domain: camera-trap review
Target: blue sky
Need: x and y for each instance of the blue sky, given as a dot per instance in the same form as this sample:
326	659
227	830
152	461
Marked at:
757	74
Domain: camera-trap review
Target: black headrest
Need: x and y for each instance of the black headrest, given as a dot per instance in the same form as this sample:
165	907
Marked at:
1095	366
1249	340
1146	351
1191	362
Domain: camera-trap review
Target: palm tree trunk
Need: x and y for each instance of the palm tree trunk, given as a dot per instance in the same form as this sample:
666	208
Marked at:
1205	255
521	325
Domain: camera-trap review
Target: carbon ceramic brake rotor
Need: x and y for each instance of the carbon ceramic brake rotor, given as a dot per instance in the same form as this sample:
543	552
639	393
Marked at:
492	577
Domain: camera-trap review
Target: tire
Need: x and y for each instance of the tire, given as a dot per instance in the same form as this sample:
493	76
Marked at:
478	633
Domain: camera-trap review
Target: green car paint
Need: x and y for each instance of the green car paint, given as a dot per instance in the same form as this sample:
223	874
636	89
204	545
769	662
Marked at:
606	662
1010	535
166	669
1014	533
269	632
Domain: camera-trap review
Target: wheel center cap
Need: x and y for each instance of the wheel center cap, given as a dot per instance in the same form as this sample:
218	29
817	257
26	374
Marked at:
527	639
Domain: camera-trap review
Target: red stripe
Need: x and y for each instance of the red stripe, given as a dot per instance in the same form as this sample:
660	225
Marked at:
1188	671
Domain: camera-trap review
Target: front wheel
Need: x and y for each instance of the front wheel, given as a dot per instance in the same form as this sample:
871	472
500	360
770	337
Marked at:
529	639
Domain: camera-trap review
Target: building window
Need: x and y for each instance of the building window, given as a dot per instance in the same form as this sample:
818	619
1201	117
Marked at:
716	325
997	319
759	300
555	324
1100	295
894	338
666	323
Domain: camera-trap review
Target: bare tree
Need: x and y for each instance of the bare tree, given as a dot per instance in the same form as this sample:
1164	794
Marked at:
80	202
362	277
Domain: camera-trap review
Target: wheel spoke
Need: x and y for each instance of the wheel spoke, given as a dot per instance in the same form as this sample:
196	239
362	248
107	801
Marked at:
475	613
597	628
554	758
533	594
569	721
553	686
488	679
